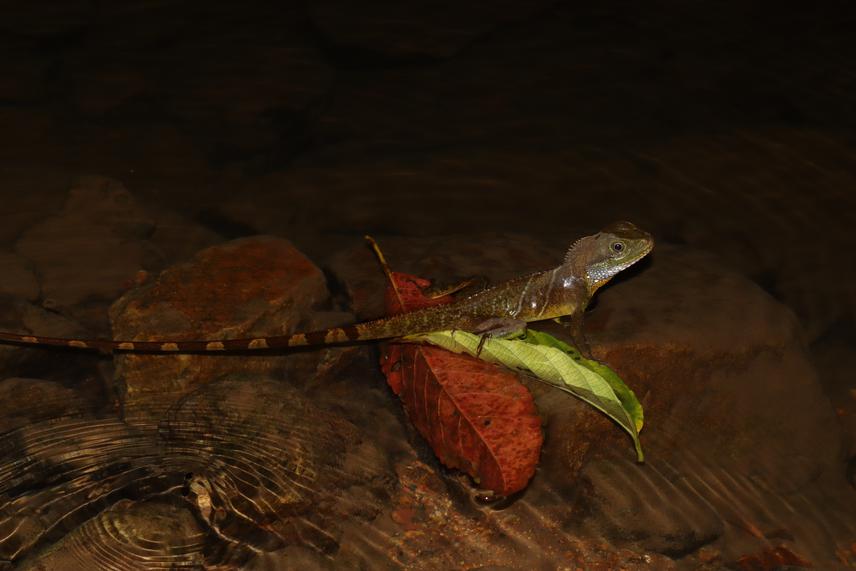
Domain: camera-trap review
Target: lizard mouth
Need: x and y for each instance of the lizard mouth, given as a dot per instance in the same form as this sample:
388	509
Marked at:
646	249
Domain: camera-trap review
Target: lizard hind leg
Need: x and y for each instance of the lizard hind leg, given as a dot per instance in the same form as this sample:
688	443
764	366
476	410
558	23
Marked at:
500	327
474	283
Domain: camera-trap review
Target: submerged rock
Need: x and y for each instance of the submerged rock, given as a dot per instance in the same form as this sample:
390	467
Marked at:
737	426
25	401
240	466
128	535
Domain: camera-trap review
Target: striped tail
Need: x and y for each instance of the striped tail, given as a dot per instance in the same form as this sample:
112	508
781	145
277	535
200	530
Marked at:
422	320
334	335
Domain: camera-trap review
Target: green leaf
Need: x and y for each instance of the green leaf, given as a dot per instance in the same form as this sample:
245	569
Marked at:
628	399
558	364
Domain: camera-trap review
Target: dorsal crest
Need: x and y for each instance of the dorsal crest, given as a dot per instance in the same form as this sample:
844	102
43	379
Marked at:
575	248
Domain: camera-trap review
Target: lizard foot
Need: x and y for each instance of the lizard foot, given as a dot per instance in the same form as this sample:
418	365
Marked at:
578	337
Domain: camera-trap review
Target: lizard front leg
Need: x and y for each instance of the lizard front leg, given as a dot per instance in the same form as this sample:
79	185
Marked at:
575	328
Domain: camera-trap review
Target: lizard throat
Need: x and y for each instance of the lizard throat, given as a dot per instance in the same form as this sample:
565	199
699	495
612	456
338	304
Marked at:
599	274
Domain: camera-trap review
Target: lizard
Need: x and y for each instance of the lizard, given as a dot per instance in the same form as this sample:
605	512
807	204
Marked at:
562	292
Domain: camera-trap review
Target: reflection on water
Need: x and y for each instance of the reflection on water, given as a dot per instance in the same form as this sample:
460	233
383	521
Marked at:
235	469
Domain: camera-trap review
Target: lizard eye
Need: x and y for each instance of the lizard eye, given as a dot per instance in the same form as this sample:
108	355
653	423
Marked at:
617	247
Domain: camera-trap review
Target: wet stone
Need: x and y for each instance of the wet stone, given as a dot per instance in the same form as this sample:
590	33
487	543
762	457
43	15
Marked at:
274	469
241	467
246	288
24	401
128	535
19	316
713	350
707	352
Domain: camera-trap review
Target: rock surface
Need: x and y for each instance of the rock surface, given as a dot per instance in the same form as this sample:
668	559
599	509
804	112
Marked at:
99	221
52	400
243	289
26	318
734	411
128	535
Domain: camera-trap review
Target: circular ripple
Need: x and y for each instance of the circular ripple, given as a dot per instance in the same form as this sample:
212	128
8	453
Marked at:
264	464
130	536
257	466
55	474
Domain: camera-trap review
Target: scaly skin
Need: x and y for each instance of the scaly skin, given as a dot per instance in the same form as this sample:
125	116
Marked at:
563	291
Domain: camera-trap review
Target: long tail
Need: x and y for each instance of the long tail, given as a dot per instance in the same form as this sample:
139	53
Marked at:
334	335
385	328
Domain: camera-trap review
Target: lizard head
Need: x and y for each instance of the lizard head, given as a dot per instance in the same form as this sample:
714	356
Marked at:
600	256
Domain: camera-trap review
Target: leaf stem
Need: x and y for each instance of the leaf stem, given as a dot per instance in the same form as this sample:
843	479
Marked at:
385	266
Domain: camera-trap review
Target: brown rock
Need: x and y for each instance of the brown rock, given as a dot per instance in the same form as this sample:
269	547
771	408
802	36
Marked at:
737	424
128	535
710	349
25	401
246	458
178	238
29	196
246	288
18	361
92	248
270	468
835	359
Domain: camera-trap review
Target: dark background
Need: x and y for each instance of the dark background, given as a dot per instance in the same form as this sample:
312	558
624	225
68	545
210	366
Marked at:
722	125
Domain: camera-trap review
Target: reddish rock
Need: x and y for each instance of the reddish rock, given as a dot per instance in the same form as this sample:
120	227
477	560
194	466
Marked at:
246	288
736	423
708	352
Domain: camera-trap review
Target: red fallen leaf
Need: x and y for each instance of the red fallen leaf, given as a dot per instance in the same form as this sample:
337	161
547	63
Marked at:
477	417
